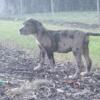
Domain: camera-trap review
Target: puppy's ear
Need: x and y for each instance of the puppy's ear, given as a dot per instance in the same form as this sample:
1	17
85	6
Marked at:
39	27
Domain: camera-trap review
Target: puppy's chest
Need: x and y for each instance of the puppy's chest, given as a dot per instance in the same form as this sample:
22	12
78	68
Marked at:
38	43
45	42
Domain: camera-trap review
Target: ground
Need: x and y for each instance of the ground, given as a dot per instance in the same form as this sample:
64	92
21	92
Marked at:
22	82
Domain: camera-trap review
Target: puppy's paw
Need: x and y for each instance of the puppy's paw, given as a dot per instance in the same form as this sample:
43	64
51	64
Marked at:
73	77
52	70
83	73
37	67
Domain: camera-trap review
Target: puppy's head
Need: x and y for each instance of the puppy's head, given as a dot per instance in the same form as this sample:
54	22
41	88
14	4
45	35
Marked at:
30	27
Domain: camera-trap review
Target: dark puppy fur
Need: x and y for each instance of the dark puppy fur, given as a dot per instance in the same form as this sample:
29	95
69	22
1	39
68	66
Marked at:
62	41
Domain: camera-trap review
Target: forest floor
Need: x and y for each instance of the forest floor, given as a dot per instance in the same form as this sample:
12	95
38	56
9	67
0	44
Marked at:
19	80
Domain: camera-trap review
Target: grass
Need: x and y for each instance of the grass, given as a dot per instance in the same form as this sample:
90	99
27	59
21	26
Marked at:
9	33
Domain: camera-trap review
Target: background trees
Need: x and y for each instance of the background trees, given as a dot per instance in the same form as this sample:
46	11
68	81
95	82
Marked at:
37	6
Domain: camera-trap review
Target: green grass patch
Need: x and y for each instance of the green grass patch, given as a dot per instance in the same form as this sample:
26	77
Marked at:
9	32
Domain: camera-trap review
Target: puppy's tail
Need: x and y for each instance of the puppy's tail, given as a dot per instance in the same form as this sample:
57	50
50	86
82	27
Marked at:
93	34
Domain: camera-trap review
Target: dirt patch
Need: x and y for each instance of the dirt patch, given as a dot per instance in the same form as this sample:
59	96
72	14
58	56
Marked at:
22	82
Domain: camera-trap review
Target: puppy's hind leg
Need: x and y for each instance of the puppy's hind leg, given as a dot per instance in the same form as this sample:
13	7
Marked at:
87	59
80	64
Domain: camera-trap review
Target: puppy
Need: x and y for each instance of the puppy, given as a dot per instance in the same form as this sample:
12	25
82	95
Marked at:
62	41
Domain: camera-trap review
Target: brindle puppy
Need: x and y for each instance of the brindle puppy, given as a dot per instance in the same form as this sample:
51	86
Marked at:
62	41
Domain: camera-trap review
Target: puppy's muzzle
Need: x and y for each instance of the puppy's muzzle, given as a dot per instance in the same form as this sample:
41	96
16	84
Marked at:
21	31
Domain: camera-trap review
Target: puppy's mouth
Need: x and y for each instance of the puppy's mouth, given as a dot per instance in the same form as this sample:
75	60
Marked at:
24	32
21	33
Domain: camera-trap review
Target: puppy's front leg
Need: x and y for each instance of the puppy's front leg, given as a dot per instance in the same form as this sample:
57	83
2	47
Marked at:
51	59
42	58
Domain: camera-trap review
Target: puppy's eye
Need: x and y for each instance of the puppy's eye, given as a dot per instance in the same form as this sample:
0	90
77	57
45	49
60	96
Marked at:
24	23
27	24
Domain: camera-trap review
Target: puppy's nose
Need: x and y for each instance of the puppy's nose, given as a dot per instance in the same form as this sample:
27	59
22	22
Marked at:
20	30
